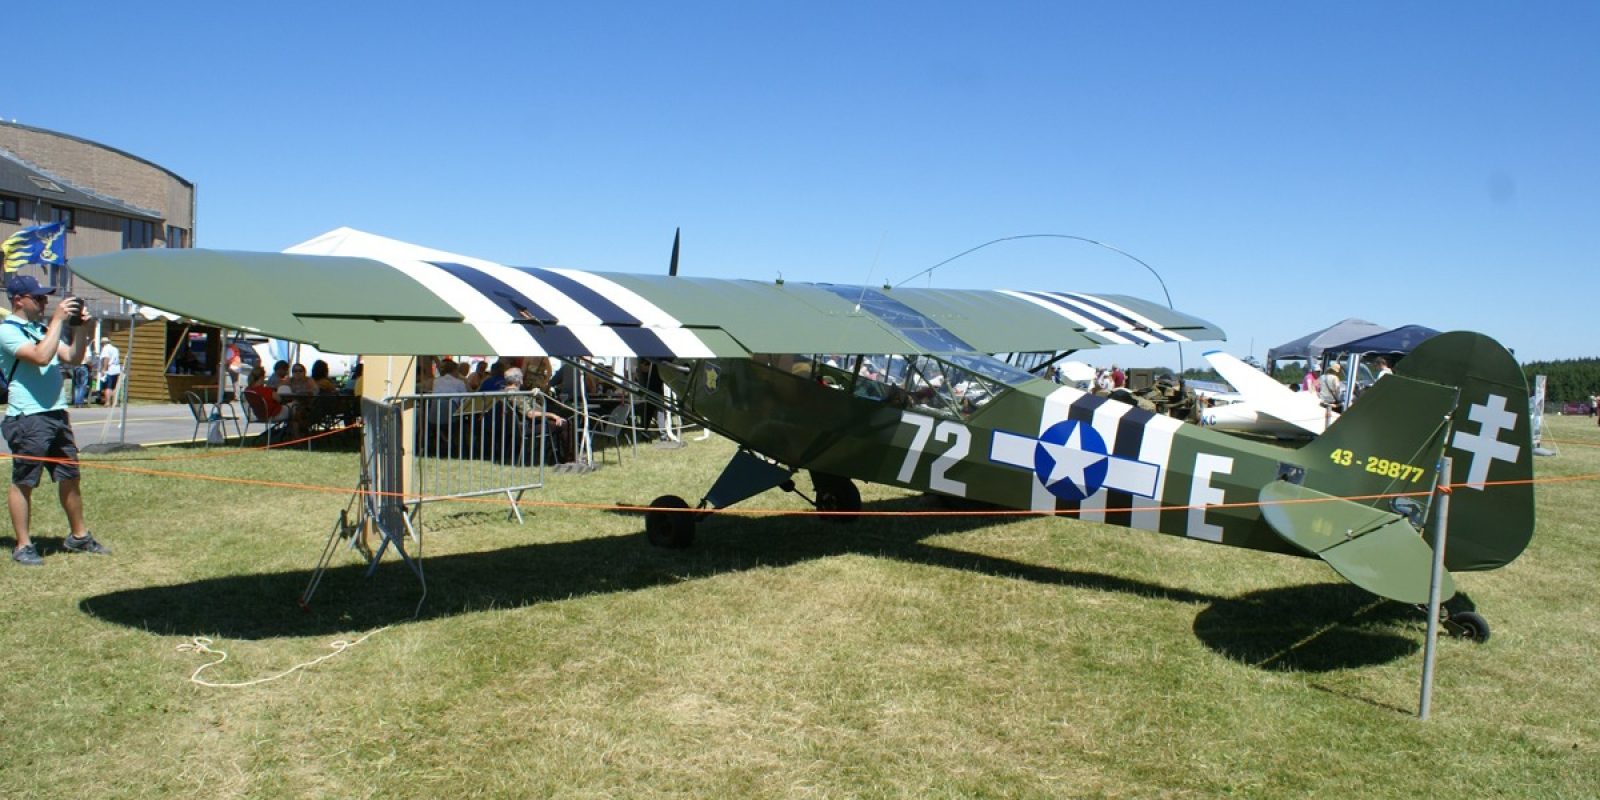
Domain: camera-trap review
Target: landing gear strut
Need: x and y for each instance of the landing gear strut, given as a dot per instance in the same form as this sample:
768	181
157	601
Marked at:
670	522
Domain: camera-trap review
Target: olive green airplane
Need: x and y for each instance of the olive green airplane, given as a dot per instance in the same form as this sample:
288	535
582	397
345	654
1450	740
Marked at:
899	386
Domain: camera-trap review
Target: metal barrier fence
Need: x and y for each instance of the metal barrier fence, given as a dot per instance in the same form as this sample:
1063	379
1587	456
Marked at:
473	444
467	445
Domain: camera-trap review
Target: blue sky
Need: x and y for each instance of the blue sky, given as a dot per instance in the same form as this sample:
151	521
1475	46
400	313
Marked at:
1282	166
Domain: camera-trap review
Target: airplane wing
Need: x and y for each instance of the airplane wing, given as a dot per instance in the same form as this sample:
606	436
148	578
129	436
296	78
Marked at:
379	296
1268	397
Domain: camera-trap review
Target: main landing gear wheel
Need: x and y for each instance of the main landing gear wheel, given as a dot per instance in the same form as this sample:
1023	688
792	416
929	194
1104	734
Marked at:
1468	625
836	494
669	529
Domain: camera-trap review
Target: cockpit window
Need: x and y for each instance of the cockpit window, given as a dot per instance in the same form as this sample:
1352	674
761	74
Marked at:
934	385
990	368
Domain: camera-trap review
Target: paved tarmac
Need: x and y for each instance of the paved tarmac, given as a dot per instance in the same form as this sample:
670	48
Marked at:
147	425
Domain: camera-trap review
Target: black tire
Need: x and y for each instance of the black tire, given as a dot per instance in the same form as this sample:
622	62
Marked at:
1470	625
673	530
836	494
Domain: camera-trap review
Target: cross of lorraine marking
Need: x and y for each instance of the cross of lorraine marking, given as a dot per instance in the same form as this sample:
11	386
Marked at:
1485	445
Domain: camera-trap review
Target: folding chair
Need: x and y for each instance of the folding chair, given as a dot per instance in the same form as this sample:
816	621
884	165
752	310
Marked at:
219	413
614	426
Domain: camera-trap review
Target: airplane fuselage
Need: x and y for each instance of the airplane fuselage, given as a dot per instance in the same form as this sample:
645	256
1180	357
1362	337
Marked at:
1038	446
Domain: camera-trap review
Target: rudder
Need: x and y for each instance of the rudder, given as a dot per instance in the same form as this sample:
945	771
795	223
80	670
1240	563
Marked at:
1490	444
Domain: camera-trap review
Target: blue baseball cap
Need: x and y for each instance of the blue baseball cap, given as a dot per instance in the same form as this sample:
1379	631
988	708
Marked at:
27	285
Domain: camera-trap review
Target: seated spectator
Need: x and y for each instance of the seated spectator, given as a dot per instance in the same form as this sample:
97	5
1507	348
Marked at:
280	373
275	411
448	382
496	380
550	423
538	374
299	383
319	377
480	371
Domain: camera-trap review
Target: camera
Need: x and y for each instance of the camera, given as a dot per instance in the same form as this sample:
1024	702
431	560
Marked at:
74	310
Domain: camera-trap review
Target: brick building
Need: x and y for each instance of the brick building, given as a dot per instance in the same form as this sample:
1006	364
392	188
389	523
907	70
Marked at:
111	200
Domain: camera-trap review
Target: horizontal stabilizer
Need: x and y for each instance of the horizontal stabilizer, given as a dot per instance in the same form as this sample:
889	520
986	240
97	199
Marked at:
1371	548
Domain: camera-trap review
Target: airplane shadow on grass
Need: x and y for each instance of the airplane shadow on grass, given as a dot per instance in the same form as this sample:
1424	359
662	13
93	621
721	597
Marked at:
1298	628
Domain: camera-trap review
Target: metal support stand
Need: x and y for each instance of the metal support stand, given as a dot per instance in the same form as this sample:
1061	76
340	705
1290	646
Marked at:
1441	527
515	499
386	514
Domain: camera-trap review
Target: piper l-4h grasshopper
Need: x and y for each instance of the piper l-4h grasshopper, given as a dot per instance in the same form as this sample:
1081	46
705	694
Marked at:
897	386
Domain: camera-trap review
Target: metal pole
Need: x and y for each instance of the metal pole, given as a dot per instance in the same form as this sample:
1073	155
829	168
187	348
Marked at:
122	381
585	448
1353	363
221	366
1441	527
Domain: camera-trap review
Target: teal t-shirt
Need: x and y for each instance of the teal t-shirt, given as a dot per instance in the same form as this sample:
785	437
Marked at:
33	388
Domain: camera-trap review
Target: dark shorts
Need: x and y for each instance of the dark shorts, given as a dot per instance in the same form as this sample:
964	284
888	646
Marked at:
46	434
108	383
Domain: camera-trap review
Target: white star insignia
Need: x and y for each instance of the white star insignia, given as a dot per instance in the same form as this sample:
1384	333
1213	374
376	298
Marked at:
1071	461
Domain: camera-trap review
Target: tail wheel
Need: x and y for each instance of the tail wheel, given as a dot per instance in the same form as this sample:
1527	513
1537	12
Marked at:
837	494
1469	625
670	529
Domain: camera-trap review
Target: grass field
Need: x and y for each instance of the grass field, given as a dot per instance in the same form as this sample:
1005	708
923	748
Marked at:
780	657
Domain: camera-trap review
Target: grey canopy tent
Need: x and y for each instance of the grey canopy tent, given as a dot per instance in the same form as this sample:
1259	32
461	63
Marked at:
1403	339
1310	346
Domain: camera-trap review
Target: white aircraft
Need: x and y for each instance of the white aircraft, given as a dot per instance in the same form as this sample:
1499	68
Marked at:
1266	406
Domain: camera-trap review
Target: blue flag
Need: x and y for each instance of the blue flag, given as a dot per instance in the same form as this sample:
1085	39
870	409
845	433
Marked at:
40	244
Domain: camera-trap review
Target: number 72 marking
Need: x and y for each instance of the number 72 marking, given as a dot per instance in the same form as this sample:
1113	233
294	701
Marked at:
960	439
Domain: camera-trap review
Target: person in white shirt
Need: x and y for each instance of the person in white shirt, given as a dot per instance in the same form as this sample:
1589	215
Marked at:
109	365
441	411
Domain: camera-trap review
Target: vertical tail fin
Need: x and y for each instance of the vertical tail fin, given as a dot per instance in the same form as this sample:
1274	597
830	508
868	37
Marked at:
1458	394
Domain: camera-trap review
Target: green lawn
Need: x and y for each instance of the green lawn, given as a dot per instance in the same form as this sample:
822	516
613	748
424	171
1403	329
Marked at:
782	656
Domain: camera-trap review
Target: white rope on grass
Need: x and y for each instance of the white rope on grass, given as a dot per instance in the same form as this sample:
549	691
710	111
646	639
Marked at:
202	644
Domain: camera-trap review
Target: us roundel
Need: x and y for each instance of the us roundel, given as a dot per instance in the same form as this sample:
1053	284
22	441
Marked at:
1070	460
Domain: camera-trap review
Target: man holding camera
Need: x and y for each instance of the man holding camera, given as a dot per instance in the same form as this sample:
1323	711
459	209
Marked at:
33	346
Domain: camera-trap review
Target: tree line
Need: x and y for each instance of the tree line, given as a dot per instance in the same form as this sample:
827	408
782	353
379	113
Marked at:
1567	381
